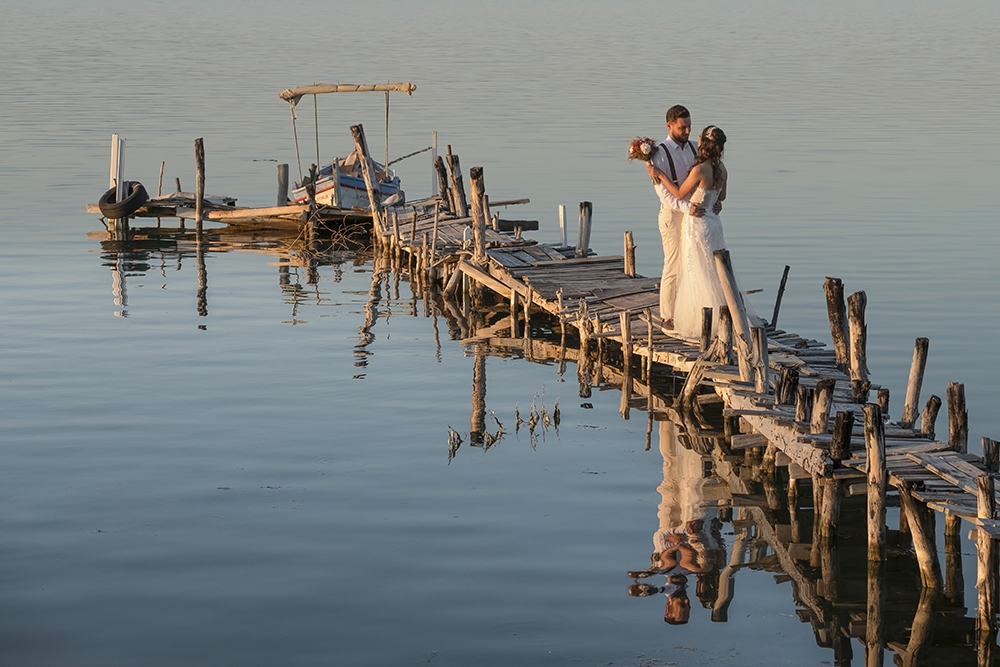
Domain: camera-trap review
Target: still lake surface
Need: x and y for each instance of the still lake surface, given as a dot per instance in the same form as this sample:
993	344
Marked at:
250	486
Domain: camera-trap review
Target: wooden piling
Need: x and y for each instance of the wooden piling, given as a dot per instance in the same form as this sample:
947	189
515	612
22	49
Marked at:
442	176
829	517
856	304
958	418
706	329
583	236
725	335
461	205
822	399
777	299
875	464
860	390
282	185
986	570
629	255
786	386
882	399
803	404
368	173
843	426
159	181
913	385
837	311
177	182
625	325
761	366
199	188
476	191
737	308
991	454
954	582
929	415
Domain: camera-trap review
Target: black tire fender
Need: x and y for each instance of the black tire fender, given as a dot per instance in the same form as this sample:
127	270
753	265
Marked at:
133	201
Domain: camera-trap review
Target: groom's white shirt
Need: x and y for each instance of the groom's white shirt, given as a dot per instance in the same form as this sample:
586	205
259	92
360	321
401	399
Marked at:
683	161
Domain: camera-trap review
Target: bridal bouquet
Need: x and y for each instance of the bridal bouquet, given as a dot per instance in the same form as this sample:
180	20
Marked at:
642	148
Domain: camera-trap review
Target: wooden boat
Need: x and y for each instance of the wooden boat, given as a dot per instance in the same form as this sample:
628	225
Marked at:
339	183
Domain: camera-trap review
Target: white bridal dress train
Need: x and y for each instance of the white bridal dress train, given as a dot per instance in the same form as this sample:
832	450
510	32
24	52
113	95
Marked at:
698	284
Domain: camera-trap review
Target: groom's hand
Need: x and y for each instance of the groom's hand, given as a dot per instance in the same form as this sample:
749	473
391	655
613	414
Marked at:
697	210
717	209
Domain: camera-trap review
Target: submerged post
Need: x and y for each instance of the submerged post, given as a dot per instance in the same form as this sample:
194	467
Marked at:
913	385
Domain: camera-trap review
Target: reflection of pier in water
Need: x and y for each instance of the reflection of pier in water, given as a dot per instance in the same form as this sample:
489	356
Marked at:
718	470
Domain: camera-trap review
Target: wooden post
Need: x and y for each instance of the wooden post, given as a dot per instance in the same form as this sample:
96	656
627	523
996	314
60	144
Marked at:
760	359
958	418
368	173
856	304
786	386
986	570
922	529
803	404
830	508
199	166
583	237
461	205
476	191
629	255
875	446
312	223
514	328
177	182
913	385
336	198
528	298
706	329
442	176
860	390
837	311
726	334
929	415
282	185
843	425
777	300
991	454
562	223
159	181
625	324
882	398
741	323
822	399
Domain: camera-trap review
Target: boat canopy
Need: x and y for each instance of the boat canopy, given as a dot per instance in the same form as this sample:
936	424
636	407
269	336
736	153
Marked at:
293	95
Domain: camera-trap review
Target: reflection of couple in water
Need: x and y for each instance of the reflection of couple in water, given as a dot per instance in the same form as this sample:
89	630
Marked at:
689	539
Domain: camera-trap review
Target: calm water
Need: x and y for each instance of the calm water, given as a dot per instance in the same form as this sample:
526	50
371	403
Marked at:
252	487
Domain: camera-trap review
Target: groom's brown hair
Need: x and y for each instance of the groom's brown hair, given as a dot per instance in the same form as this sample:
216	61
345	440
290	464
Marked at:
677	111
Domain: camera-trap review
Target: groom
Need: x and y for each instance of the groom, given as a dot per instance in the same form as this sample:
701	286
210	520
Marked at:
673	160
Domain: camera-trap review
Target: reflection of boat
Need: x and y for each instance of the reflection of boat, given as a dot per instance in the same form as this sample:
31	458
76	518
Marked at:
339	183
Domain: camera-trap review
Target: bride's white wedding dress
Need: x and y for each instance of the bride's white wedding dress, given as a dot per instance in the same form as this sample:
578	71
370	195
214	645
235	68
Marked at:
698	284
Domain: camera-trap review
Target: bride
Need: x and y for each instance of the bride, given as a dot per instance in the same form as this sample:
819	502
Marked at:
698	284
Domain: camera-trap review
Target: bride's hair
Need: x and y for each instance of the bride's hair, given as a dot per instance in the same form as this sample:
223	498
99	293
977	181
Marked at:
711	145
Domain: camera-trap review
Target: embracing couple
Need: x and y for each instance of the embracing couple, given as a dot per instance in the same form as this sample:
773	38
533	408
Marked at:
690	181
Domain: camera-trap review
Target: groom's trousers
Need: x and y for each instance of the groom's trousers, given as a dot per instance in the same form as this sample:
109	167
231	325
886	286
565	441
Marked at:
670	234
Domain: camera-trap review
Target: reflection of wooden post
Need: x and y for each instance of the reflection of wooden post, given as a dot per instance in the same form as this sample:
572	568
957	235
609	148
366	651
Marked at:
875	446
202	294
986	571
954	582
874	630
958	418
856	304
913	385
727	578
922	529
625	324
834	289
477	423
920	629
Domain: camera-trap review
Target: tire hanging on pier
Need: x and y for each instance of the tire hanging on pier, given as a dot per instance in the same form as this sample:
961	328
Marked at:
133	201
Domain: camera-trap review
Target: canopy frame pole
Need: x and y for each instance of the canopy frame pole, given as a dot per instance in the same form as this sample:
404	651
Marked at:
316	124
295	133
386	163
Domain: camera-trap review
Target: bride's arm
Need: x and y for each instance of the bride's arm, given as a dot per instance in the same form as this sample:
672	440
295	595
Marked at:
686	188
